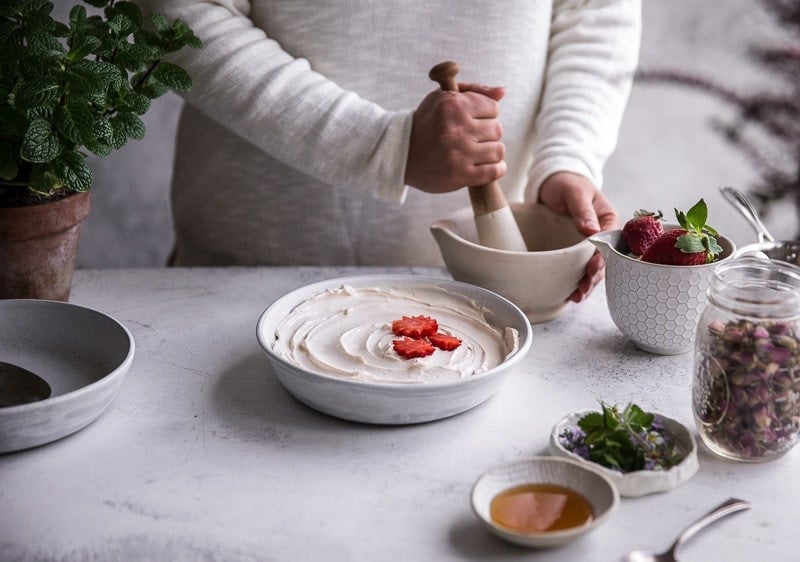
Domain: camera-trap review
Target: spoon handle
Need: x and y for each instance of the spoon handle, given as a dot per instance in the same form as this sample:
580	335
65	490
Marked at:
725	508
746	208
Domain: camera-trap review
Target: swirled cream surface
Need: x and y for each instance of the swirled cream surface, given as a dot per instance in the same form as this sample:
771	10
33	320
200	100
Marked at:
347	331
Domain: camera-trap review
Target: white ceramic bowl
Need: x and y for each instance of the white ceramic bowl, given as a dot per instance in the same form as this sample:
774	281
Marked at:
656	306
393	403
640	482
597	488
81	353
538	281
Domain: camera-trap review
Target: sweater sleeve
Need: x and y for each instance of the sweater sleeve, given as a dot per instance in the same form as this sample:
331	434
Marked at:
247	82
593	53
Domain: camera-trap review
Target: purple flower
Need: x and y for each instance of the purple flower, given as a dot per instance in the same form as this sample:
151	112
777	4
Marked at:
761	333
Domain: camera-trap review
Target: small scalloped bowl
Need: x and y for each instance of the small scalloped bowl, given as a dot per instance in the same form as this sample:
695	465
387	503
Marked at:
596	487
640	482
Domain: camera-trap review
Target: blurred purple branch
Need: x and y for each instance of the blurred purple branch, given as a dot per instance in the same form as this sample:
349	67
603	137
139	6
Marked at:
775	114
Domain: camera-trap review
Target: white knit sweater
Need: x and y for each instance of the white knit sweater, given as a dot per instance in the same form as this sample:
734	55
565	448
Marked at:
293	144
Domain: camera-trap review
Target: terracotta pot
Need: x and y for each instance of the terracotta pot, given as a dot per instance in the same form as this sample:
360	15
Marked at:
38	246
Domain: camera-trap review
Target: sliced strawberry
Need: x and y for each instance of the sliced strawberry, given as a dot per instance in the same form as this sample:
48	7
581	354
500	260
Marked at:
410	347
415	326
443	341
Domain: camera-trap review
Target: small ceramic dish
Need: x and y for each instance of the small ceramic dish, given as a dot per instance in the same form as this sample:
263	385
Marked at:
640	482
82	354
596	487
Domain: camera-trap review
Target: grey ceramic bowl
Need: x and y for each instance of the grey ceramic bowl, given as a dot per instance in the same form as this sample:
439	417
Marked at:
393	403
81	353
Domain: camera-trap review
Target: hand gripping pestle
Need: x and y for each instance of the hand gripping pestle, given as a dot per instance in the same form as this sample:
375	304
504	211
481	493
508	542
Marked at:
493	217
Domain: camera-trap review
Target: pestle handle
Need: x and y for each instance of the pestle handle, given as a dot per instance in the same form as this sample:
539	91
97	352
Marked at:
445	74
484	198
496	225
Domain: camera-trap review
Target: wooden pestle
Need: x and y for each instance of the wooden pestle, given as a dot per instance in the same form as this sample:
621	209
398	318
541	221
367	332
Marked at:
494	220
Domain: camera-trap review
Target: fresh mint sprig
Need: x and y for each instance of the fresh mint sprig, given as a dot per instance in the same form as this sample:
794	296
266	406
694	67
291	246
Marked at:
623	440
81	84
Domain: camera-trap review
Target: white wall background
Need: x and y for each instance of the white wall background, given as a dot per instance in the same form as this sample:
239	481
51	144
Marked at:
667	156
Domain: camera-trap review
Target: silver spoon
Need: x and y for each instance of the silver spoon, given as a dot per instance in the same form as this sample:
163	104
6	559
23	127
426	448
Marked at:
746	208
726	508
20	386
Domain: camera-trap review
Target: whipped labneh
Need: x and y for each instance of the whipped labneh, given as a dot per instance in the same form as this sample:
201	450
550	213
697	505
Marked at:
347	331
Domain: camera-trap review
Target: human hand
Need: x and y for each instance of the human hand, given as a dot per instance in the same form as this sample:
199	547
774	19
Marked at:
455	140
577	197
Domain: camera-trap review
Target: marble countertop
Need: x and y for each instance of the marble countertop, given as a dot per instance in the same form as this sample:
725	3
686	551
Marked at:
203	455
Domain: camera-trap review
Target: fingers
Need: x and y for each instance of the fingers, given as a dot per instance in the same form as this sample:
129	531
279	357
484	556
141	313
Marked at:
487	130
606	214
577	197
488	153
582	211
456	140
595	273
487	173
494	92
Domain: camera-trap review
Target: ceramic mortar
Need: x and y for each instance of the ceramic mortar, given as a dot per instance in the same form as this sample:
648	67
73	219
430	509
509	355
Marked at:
537	281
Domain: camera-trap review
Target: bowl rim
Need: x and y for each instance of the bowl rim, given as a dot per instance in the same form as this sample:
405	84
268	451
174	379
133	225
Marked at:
549	536
525	336
108	379
450	219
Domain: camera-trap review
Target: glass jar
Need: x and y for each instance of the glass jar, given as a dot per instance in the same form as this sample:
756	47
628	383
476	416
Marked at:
746	384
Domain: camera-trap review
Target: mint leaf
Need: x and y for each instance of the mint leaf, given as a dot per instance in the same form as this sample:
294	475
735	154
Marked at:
160	22
173	76
129	125
41	143
591	422
36	93
74	171
79	84
624	440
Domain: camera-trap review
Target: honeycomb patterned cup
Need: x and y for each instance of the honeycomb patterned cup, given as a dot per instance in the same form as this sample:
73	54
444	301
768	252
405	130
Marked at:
656	306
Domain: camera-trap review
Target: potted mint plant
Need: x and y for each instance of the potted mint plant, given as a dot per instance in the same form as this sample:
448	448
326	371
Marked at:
68	89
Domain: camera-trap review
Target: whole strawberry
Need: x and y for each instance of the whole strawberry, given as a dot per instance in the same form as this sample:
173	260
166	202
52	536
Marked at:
642	230
694	243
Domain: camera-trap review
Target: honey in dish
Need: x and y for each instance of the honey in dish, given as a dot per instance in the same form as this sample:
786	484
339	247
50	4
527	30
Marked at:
536	508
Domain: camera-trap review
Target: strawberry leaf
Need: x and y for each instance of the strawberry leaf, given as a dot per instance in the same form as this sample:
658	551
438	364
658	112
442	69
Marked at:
697	215
690	244
710	244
